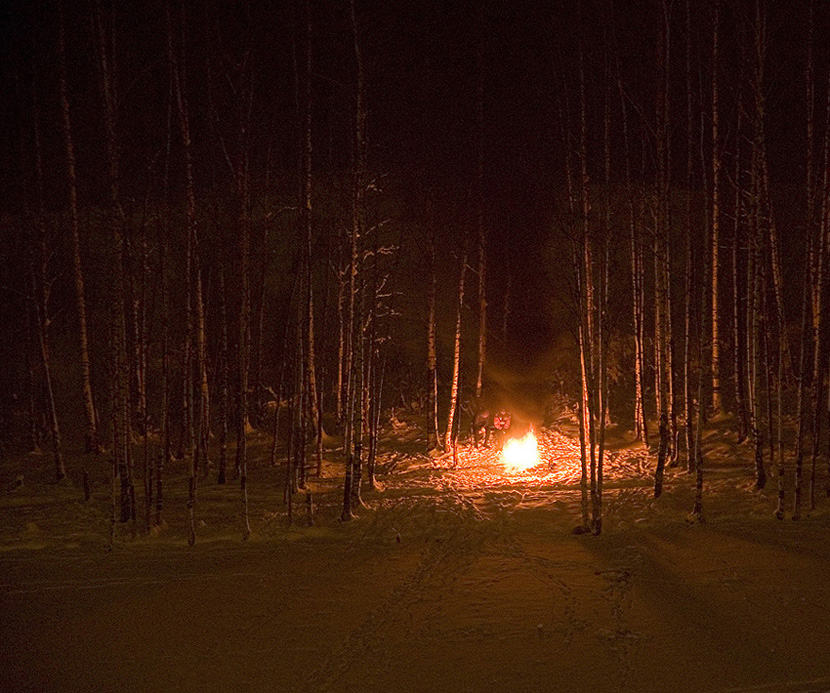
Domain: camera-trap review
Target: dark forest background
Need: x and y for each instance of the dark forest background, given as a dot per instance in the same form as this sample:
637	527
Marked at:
577	143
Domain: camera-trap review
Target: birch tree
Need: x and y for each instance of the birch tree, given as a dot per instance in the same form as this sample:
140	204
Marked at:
637	275
819	300
450	434
689	269
433	435
480	215
353	370
306	212
195	308
118	223
92	444
40	287
716	166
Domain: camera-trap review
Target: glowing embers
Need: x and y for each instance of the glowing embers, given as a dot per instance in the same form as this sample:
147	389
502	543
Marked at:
521	454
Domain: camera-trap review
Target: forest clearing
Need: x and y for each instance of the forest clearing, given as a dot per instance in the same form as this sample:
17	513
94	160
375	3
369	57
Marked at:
464	579
456	345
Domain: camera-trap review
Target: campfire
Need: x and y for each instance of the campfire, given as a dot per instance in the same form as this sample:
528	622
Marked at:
521	454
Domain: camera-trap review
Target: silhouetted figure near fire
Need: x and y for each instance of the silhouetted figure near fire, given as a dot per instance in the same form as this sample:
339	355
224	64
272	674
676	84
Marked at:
501	425
486	425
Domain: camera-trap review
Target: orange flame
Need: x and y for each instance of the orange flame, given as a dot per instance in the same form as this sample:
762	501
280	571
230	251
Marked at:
521	454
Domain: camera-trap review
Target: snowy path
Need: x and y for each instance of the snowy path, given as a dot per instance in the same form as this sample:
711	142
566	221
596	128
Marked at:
484	606
478	608
450	580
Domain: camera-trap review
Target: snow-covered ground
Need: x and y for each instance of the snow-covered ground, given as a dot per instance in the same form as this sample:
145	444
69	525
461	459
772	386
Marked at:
465	579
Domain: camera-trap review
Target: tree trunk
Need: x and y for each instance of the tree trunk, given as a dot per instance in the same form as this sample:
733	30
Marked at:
637	284
34	423
242	408
739	338
281	388
663	338
143	365
688	299
766	218
659	297
582	402
223	368
697	507
716	164
662	453
372	362
301	411
342	338
687	350
819	279
801	415
480	214
40	292
602	315
353	372
755	288
163	457
92	444
196	330
118	222
359	395
449	435
306	207
819	298
813	259
256	406
433	436
586	290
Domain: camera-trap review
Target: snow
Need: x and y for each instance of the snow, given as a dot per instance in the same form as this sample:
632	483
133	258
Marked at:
465	579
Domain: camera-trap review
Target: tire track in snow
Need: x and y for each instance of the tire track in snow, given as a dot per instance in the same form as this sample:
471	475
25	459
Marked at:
549	573
469	516
440	563
500	506
621	638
